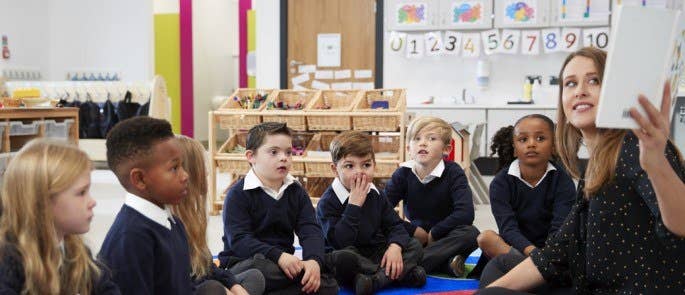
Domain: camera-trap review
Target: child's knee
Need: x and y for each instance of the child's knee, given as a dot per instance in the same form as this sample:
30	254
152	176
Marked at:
487	238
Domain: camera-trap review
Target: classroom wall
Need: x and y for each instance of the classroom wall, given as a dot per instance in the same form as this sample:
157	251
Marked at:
27	43
94	35
439	77
214	56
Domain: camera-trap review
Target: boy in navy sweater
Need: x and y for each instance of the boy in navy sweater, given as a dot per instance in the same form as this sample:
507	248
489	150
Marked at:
357	219
262	211
437	198
146	247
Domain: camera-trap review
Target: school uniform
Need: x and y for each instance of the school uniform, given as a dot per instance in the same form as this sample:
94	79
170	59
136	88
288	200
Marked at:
147	250
615	241
441	203
258	227
526	214
12	279
366	231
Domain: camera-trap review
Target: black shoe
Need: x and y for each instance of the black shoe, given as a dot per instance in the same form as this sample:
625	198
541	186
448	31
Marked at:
457	266
344	265
363	285
415	278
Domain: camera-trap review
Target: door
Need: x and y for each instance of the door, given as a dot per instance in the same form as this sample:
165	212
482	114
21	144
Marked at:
354	20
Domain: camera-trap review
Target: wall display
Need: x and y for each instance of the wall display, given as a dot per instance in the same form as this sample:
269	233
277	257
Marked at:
521	13
646	3
495	41
530	42
433	41
406	15
598	37
471	45
471	14
452	43
570	39
491	41
550	40
580	13
511	40
415	46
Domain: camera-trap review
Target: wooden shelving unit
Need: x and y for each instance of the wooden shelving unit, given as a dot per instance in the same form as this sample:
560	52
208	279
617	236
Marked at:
358	115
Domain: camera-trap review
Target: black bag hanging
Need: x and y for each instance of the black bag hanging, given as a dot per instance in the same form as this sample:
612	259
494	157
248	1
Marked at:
127	109
109	117
144	110
89	120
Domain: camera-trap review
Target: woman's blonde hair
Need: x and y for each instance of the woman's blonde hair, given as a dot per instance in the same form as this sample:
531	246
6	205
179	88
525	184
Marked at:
606	149
193	209
41	170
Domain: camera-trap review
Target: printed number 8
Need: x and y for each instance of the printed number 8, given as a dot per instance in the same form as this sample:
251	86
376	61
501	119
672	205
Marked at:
551	39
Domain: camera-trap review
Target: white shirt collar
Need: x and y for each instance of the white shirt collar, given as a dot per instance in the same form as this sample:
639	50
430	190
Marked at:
515	170
342	193
161	216
253	182
437	171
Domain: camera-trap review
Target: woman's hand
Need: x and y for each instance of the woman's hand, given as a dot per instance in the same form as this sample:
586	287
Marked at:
653	132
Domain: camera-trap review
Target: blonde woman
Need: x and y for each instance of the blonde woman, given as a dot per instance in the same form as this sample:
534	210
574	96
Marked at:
625	234
46	206
192	212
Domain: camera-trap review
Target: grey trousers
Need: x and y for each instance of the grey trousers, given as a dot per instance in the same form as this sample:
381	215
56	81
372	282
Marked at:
460	241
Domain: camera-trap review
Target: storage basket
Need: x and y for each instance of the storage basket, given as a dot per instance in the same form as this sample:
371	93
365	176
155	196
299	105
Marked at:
396	101
243	121
318	112
59	130
318	156
294	118
235	145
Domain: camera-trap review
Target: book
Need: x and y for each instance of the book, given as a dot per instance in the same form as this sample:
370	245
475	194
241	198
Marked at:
645	51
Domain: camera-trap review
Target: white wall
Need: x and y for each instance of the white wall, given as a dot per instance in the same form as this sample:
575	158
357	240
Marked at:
103	34
446	76
268	43
214	35
27	35
439	77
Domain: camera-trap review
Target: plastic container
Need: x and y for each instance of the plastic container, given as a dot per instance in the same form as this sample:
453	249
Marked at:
21	128
60	130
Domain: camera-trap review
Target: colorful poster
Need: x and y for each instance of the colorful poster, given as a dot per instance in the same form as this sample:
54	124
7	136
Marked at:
520	12
467	12
411	14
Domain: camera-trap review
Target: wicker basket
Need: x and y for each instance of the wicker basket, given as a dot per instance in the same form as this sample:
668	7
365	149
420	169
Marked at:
386	147
295	119
237	139
234	165
300	141
396	99
385	168
241	121
318	156
316	186
339	101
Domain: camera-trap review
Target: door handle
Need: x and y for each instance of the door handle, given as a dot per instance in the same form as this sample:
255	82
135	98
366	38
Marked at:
294	63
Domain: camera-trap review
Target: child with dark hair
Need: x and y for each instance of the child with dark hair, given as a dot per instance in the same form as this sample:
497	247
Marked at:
358	220
147	247
263	210
530	196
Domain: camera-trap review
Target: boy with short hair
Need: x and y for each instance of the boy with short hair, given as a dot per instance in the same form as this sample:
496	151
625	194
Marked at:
358	219
147	247
262	211
437	198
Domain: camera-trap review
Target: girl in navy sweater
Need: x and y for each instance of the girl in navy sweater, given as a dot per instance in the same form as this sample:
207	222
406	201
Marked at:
530	196
193	213
46	206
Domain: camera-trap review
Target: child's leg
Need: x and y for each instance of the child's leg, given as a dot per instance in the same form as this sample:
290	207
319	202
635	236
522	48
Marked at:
274	277
252	281
460	241
210	287
412	275
499	266
492	244
343	264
